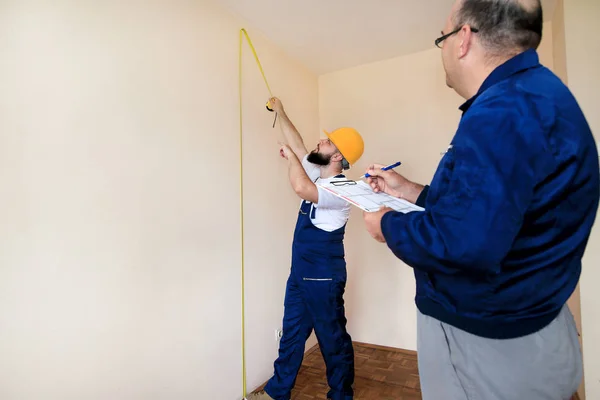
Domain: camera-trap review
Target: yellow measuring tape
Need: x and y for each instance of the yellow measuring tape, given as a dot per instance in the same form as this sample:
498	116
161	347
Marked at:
242	34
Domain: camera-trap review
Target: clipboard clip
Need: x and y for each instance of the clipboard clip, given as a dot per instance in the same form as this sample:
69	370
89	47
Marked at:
343	183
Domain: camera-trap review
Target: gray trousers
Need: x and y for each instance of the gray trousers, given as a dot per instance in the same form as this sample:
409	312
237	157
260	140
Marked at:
456	365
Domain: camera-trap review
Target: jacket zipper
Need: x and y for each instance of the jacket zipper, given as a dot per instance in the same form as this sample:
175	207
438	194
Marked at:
318	279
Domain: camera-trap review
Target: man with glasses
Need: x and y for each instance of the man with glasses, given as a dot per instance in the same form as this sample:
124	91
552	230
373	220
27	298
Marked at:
315	287
497	251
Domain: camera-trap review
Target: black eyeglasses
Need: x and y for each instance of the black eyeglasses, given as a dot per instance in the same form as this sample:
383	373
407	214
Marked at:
447	35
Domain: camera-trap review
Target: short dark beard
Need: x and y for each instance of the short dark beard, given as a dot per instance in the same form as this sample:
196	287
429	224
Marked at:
318	158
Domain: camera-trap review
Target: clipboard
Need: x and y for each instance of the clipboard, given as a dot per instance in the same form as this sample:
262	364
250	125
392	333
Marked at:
361	195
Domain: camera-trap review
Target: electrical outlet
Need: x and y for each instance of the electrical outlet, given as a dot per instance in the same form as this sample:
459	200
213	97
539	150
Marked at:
278	334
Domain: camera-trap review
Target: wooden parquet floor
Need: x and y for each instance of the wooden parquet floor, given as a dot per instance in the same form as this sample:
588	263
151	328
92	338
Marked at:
380	373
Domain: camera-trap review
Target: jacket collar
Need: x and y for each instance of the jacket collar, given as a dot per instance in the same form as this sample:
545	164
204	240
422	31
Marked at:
521	62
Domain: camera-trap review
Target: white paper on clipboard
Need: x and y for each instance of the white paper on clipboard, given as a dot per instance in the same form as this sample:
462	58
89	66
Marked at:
361	195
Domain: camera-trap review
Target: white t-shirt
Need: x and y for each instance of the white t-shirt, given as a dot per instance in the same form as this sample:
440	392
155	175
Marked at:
331	212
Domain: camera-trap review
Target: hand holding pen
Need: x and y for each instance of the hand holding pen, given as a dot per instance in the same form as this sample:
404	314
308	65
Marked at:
392	166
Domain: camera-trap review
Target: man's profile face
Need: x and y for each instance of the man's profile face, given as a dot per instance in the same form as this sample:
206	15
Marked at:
449	52
322	154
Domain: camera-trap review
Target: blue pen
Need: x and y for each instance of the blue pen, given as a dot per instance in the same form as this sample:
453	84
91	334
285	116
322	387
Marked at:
383	169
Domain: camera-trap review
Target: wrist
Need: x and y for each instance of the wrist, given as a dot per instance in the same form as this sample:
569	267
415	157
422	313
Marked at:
292	159
411	191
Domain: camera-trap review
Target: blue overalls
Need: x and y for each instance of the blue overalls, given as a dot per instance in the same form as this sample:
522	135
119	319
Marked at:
314	299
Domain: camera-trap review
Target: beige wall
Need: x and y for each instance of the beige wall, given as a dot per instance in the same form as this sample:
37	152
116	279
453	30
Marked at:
582	65
558	42
406	113
119	200
546	48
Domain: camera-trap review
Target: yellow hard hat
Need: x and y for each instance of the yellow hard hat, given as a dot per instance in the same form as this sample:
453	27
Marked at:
349	142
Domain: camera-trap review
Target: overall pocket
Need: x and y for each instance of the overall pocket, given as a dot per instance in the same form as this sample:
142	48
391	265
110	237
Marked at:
317	279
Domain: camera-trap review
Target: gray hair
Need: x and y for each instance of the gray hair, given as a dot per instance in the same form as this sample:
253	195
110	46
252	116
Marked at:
503	25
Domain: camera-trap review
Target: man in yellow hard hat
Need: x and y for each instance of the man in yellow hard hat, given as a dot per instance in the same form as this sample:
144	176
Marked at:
315	287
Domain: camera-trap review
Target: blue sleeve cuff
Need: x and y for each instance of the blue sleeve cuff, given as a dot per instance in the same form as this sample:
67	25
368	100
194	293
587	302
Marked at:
386	226
422	197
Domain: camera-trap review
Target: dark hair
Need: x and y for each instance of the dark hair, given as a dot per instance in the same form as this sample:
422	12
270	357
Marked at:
345	164
504	24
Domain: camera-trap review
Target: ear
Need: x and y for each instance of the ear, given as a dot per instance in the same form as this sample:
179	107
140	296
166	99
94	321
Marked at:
337	156
466	41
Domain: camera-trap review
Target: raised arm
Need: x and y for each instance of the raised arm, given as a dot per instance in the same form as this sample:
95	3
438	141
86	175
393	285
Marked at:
301	183
292	136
